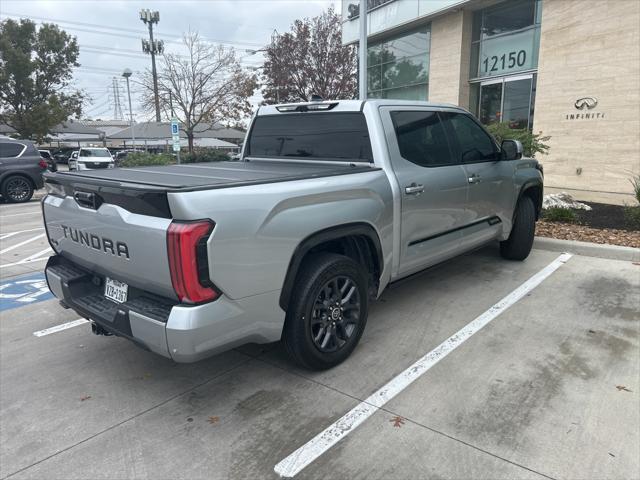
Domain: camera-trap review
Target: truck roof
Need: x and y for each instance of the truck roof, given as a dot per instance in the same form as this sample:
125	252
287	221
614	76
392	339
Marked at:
350	105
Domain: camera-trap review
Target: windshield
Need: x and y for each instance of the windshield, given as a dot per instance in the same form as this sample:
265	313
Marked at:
322	136
94	152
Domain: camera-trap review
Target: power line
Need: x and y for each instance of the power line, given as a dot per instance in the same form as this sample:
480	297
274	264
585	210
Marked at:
177	39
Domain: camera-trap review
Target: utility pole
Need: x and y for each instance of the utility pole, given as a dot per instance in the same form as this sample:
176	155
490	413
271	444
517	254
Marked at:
126	74
362	51
117	107
152	46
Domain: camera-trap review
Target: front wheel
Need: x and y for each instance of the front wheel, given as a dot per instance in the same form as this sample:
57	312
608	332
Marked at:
17	189
520	241
327	313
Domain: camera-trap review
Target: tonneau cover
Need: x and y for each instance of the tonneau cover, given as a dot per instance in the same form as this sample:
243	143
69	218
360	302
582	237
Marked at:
202	176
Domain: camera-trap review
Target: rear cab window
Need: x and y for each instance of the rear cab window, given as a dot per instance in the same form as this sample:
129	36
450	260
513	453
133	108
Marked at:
330	136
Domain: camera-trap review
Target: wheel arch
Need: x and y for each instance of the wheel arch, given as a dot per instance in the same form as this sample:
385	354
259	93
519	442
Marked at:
359	241
534	190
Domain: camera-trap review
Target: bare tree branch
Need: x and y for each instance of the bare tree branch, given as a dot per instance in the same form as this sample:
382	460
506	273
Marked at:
206	86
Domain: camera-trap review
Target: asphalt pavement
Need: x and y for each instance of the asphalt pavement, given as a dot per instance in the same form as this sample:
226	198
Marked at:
508	379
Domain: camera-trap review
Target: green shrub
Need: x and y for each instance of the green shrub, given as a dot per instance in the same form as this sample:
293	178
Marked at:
532	143
635	182
211	155
632	216
559	214
145	159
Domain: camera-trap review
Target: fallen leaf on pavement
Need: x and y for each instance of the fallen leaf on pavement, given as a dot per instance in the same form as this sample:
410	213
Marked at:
86	397
213	420
397	421
622	387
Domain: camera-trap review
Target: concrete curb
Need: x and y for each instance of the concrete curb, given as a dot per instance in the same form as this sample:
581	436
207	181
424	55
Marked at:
612	252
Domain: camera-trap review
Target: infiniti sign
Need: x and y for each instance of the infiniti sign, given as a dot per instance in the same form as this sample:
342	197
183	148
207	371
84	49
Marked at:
586	102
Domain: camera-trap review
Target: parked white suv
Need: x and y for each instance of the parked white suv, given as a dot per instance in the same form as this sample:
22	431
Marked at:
91	158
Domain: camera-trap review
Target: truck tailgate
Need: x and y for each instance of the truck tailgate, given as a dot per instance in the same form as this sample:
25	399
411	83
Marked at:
111	241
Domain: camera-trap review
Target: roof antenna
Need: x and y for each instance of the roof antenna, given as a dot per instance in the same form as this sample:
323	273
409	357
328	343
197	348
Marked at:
316	98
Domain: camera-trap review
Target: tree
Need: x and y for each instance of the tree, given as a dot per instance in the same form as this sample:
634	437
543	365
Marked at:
308	60
35	66
205	86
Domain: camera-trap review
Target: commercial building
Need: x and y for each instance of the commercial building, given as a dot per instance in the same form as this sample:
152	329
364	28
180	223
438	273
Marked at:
567	68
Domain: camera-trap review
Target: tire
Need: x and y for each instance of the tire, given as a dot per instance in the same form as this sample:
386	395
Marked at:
518	245
17	189
327	312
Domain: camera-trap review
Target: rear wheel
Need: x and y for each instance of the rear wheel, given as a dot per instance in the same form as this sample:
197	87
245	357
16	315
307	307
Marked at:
16	189
520	241
327	313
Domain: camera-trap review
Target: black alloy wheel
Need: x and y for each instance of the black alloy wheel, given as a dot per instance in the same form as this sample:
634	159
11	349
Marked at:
327	312
336	314
17	189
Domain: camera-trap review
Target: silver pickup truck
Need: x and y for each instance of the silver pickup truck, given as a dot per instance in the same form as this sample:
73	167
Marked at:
330	202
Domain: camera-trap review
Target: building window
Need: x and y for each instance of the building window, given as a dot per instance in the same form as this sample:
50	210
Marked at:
399	67
506	38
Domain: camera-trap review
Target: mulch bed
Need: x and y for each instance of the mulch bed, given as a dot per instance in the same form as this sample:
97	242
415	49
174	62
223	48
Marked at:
604	216
572	231
604	224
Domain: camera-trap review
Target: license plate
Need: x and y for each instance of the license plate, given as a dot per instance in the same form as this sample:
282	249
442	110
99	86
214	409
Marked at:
115	290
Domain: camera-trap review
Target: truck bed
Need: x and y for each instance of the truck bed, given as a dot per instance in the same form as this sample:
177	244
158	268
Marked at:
204	176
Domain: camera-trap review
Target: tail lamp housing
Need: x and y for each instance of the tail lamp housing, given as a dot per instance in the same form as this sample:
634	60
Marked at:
188	261
43	164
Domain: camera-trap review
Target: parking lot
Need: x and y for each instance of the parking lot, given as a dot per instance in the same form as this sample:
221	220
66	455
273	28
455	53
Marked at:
546	388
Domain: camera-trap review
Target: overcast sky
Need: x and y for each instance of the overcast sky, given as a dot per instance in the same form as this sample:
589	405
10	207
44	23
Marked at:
109	33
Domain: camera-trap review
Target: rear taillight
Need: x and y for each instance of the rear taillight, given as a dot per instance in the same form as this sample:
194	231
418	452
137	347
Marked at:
188	262
43	164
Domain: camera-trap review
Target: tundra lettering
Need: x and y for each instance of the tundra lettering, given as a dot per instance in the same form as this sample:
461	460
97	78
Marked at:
95	242
330	202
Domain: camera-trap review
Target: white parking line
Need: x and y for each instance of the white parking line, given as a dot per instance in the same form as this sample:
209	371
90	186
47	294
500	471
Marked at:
59	328
20	214
303	456
36	257
18	245
18	232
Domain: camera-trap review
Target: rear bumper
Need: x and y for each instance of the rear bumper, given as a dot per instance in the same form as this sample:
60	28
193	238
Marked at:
183	333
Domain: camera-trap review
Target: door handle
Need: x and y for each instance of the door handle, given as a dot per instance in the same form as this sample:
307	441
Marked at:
474	178
414	189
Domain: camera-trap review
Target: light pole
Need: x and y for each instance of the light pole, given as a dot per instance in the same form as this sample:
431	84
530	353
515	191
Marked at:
126	74
362	51
152	46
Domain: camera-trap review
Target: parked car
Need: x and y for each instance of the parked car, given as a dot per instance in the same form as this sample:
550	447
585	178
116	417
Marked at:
91	158
331	202
21	168
46	155
62	155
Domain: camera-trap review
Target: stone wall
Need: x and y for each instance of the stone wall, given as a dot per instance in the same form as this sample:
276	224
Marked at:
590	48
450	58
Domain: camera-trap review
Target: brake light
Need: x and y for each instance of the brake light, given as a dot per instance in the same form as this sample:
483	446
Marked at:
188	263
43	164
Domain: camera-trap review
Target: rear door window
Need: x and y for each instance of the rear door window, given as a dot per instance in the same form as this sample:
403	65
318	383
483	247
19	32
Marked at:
339	136
11	150
422	138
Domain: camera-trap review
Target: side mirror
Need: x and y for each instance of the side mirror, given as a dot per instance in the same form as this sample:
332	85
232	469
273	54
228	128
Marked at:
511	150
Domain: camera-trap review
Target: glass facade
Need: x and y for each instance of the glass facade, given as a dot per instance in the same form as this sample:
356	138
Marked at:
398	67
506	39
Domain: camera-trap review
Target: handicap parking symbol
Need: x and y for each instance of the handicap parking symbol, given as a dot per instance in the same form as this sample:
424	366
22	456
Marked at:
23	290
